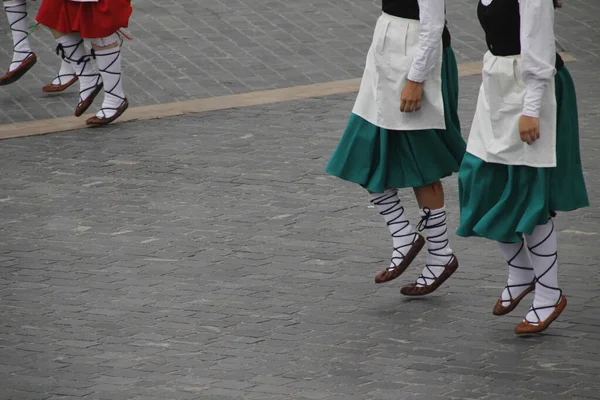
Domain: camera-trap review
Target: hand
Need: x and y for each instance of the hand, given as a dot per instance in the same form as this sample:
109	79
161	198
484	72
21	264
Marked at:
529	129
410	99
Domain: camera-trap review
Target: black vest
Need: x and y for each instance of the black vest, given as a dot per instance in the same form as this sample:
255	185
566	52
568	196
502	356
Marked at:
409	9
501	22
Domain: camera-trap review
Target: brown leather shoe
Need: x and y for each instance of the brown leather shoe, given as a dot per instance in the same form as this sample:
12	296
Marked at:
499	309
85	104
52	88
96	121
389	274
527	328
415	290
15	75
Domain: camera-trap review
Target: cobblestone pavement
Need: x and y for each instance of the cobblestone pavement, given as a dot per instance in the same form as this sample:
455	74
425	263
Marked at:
185	49
209	256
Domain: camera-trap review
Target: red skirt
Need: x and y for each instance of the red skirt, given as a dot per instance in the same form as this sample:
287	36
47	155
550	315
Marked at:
92	20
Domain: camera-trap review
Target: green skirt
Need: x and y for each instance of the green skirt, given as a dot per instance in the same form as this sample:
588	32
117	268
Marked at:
379	159
503	202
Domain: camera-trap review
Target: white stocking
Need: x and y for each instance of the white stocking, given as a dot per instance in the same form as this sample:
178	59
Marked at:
74	51
520	270
65	74
16	11
544	256
403	234
109	64
439	253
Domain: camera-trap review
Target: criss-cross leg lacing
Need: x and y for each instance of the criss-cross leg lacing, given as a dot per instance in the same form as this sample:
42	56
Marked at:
406	242
515	290
402	233
90	82
17	16
543	249
109	65
439	252
521	277
441	262
66	73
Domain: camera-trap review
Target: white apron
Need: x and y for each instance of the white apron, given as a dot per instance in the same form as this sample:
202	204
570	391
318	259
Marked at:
388	64
494	136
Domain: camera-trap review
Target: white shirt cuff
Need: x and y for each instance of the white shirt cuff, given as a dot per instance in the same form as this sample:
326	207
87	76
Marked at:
533	97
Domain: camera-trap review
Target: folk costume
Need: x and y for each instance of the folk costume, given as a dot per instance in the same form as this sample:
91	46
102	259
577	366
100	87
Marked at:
98	21
23	57
508	189
383	149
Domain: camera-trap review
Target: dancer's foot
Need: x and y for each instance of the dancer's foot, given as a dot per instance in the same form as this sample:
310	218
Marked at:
21	69
105	120
539	319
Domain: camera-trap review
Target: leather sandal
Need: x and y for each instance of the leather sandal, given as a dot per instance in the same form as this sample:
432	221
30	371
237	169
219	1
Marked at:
97	121
85	104
391	273
500	309
418	290
52	88
16	74
29	60
526	327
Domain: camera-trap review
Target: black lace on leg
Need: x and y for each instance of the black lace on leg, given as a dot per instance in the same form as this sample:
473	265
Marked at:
21	16
554	257
435	242
67	53
510	263
107	90
392	202
60	51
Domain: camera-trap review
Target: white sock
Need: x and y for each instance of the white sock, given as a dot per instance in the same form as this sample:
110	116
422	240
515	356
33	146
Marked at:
74	51
520	270
439	253
403	234
544	256
16	11
109	65
65	74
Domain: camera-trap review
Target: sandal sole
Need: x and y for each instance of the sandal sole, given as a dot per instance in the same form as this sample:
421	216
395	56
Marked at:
50	88
95	121
414	290
406	261
525	328
84	105
499	309
26	65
